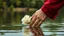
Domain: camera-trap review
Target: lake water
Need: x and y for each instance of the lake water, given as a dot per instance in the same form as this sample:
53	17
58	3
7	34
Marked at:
47	30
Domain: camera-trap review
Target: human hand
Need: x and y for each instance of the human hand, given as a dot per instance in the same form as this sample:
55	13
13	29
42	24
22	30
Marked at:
37	18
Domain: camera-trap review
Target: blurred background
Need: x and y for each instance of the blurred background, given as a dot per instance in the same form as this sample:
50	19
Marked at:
12	11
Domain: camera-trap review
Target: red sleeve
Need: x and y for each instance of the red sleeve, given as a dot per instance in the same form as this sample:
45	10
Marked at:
51	7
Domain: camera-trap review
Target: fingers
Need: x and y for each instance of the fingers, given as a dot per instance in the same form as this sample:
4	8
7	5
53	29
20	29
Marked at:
35	23
33	20
40	22
38	25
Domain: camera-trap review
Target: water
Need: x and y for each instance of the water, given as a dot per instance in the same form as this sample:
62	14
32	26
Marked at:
49	29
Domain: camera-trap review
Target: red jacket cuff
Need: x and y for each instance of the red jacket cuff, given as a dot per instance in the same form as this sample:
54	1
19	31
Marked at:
49	13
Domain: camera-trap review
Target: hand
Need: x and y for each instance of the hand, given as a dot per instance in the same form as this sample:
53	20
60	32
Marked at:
37	18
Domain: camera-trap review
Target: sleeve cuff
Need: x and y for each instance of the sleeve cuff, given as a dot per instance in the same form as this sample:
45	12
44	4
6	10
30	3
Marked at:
49	13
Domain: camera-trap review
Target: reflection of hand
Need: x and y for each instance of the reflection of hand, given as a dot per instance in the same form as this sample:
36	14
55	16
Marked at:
37	31
37	18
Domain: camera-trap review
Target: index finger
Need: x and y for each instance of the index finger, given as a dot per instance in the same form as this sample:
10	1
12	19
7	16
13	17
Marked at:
33	20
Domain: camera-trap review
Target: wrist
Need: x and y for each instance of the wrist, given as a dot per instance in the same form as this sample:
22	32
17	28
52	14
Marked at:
42	12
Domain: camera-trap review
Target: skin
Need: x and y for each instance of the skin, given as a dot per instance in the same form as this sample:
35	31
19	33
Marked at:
37	19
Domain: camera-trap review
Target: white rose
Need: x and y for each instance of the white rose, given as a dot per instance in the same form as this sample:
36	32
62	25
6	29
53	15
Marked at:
26	19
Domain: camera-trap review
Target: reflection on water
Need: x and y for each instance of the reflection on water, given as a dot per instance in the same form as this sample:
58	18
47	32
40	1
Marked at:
47	30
